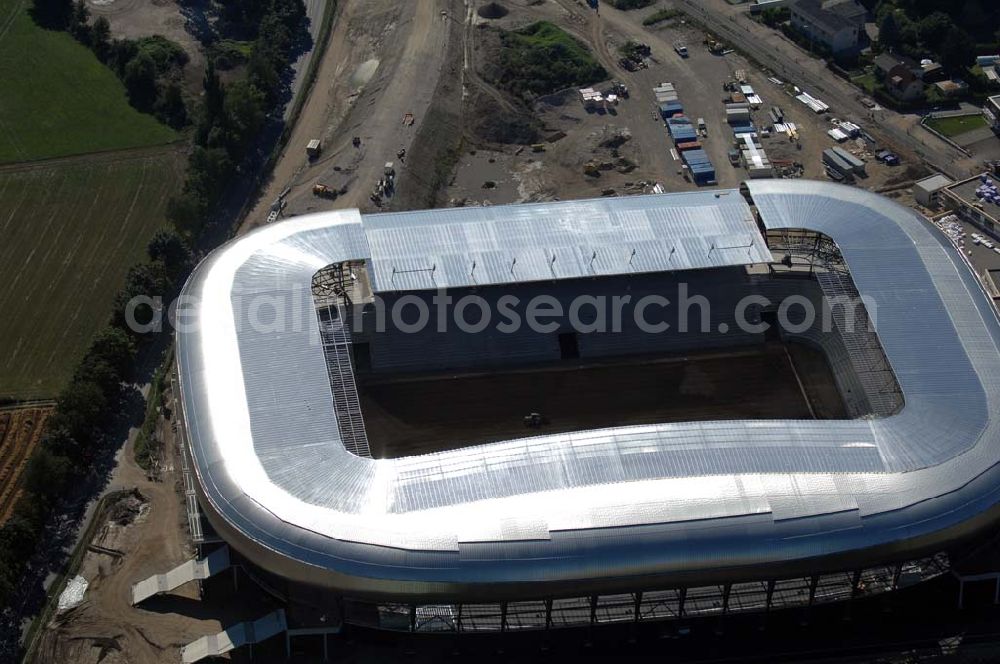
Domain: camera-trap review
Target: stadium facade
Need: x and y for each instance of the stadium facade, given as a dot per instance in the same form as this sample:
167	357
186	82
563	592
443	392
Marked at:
626	523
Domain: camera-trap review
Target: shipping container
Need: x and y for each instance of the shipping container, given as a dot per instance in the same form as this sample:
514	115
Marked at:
857	166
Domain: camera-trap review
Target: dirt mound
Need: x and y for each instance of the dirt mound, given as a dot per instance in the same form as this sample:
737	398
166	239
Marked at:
508	129
492	10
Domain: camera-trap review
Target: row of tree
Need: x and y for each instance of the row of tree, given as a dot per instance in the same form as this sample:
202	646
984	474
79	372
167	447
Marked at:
227	126
232	116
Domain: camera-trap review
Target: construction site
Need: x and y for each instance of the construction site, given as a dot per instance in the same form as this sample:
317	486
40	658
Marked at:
410	112
485	145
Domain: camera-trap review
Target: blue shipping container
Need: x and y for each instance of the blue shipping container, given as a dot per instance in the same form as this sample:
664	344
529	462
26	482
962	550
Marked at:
670	109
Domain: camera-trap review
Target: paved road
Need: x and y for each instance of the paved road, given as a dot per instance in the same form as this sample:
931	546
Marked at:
314	13
790	63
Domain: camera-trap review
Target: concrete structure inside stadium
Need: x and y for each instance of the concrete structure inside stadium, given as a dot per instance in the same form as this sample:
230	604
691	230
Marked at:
802	262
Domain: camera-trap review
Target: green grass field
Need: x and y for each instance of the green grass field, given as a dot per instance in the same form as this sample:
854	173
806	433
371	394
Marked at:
954	126
71	229
58	99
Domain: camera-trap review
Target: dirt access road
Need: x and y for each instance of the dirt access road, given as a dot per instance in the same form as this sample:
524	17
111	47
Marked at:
383	60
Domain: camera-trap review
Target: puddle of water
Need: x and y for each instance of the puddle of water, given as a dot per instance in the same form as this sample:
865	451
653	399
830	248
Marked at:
364	73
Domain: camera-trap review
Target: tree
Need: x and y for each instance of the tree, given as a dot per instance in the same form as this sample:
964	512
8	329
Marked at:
170	107
244	116
144	284
117	349
46	474
80	410
52	14
170	249
215	98
100	38
957	51
933	29
79	22
888	31
120	53
263	72
975	20
140	81
209	170
59	440
17	538
186	212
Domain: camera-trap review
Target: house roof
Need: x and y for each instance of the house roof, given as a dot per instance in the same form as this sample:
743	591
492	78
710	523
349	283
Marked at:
886	61
933	183
833	15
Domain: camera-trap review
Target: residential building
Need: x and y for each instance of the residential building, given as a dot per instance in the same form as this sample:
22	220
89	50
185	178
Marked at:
953	88
927	192
903	84
991	111
837	24
886	62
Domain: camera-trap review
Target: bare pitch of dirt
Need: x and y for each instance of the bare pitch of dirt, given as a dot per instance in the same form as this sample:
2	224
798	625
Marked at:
417	414
20	432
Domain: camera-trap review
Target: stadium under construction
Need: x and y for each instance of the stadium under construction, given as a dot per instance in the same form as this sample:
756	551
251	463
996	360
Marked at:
532	527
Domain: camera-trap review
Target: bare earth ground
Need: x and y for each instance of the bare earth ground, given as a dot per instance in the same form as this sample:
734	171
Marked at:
20	431
417	414
405	44
385	60
105	628
496	174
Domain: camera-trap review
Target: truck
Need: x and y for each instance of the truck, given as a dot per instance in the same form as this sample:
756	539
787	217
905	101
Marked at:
715	47
681	49
702	127
324	191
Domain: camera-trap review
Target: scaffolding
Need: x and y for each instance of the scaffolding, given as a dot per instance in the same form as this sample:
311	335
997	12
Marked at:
861	342
804	251
672	604
336	339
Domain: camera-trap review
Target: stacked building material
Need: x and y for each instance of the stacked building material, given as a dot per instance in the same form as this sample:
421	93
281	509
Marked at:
665	93
754	158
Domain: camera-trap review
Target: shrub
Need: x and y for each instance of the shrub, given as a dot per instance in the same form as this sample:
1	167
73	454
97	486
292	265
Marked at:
541	59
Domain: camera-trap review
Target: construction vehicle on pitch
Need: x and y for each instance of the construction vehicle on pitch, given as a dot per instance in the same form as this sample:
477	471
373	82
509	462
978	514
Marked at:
323	191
